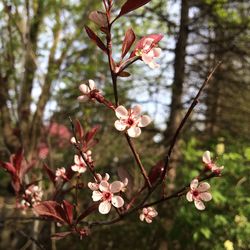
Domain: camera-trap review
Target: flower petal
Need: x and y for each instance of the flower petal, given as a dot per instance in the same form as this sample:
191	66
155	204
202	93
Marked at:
194	184
91	84
119	125
206	196
136	110
142	217
144	121
204	186
96	196
117	201
148	220
75	168
189	196
146	58
116	186
93	186
83	98
76	160
199	205
106	177
81	169
104	207
134	131
157	52
121	112
206	158
84	89
104	186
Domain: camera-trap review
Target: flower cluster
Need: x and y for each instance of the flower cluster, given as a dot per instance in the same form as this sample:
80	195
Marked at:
105	192
80	165
32	196
147	214
60	174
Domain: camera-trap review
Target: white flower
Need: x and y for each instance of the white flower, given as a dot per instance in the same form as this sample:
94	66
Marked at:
86	91
209	164
105	194
60	174
94	185
198	193
131	120
80	165
148	213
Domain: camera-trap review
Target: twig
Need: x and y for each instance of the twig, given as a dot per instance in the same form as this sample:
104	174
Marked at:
192	106
38	244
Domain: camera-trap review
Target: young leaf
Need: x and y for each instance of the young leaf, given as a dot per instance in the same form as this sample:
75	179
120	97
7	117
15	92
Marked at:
99	18
131	5
95	39
68	208
51	209
128	42
124	74
79	129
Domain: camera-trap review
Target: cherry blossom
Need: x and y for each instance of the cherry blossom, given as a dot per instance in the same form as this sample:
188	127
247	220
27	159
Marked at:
198	193
147	50
80	165
95	185
60	174
209	164
147	214
32	196
87	91
131	120
105	193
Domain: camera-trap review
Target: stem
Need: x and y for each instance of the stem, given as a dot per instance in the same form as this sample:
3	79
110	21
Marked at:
138	160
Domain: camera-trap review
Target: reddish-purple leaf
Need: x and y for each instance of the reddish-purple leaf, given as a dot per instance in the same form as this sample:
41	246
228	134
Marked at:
95	39
131	5
79	129
17	160
89	136
156	172
61	235
51	209
88	211
50	173
8	167
68	208
99	18
128	42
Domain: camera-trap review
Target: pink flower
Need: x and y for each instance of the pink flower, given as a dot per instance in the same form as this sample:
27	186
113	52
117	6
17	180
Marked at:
198	193
105	194
95	185
146	48
87	91
80	165
33	195
209	164
60	174
131	120
148	213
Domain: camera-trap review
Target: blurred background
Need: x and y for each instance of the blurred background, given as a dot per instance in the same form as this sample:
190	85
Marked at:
45	54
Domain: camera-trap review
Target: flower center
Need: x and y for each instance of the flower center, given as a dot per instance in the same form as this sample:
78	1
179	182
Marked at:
107	196
130	121
195	193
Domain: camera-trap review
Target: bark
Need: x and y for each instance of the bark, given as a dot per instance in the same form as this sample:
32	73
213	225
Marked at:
179	74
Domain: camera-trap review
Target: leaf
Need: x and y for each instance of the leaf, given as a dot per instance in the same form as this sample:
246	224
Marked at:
156	172
95	39
128	42
50	173
8	167
124	74
51	209
99	18
79	129
61	235
88	211
68	208
131	5
17	160
91	133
